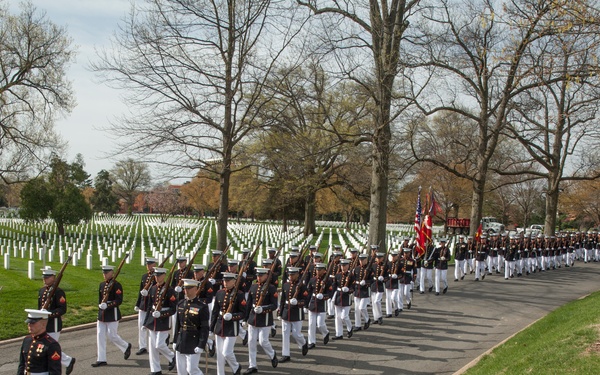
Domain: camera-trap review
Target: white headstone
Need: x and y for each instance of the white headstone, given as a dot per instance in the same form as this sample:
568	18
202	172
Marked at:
31	270
6	261
88	261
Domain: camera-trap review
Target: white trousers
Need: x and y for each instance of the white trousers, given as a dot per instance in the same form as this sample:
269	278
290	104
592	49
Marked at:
295	330
376	305
342	315
460	269
360	310
110	330
316	321
441	276
157	347
187	364
263	340
404	295
479	269
392	300
142	331
224	348
509	268
65	359
426	274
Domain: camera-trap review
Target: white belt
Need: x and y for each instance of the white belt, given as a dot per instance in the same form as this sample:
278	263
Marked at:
37	373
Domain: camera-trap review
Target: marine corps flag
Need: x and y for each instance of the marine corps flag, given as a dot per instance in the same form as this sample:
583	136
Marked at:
478	234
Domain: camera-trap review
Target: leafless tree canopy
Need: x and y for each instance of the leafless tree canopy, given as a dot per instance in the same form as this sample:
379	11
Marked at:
34	54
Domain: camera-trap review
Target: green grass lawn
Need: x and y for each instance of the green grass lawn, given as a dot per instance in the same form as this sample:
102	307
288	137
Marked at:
566	341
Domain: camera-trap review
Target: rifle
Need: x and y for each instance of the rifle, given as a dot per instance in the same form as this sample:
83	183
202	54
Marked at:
327	274
150	279
190	264
212	271
241	271
54	285
112	282
301	255
265	286
385	261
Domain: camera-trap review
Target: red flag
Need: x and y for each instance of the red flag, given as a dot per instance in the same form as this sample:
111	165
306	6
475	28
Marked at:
478	234
426	231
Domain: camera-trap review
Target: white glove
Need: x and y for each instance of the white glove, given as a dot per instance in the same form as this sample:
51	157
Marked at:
178	289
305	310
394	276
320	296
227	316
156	314
362	283
212	281
102	306
198	350
244	274
380	278
443	258
144	292
258	310
293	302
245	325
345	289
174	346
136	309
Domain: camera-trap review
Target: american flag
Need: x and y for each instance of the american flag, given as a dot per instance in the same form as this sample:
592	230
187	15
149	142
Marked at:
418	222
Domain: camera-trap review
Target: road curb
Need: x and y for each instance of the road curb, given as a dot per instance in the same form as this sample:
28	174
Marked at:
68	329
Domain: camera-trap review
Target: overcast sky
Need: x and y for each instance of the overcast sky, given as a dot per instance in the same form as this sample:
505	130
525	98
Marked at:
90	23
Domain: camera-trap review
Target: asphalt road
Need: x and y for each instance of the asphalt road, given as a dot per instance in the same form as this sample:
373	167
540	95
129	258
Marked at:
439	335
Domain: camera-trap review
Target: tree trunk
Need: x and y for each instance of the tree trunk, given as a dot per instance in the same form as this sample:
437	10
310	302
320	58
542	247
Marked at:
551	204
223	206
309	214
477	204
60	227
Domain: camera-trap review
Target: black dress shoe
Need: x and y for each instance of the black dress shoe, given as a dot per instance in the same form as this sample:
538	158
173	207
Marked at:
462	278
483	276
397	312
273	332
380	321
350	333
304	349
211	349
421	292
409	305
326	339
156	373
430	289
337	338
285	358
141	351
445	290
330	316
274	361
388	316
367	324
127	352
238	371
70	366
251	370
437	293
99	363
311	346
455	280
172	364
356	329
245	340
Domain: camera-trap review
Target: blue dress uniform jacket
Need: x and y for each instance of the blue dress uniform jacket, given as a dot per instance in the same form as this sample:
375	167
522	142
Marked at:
191	326
58	308
482	252
144	302
343	280
115	298
366	274
218	276
316	286
394	268
461	251
379	269
207	294
223	299
169	306
40	354
407	265
269	304
441	256
289	312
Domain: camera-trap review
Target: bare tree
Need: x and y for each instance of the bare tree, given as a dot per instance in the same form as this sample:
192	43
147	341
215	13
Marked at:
164	200
130	178
34	90
477	60
195	70
377	27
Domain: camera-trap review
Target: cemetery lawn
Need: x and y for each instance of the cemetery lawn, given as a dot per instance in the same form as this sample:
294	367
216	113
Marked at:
566	341
80	285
